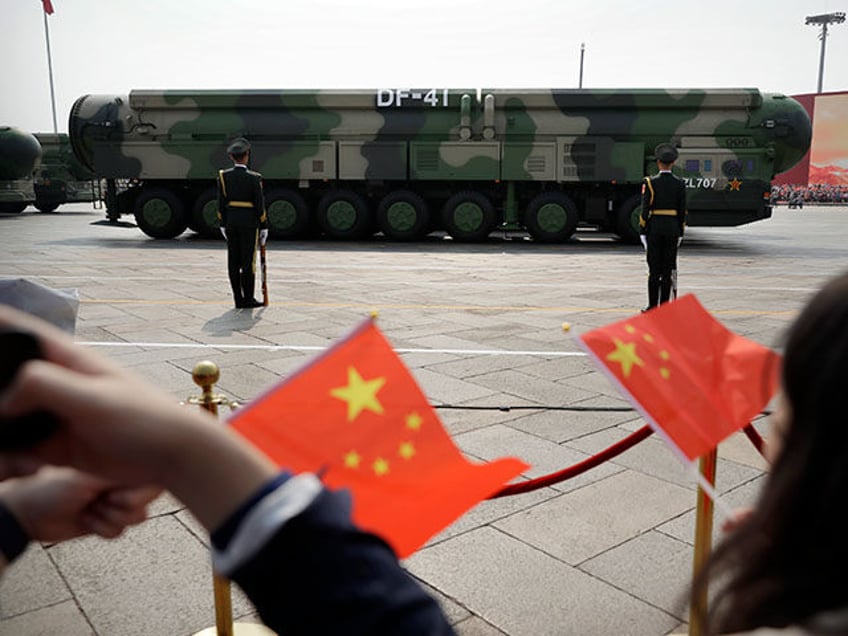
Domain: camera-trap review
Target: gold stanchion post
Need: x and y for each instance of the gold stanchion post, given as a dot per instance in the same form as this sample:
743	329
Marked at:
206	374
703	542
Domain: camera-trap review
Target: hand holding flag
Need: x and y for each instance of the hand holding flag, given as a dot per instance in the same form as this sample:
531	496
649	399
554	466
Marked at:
357	417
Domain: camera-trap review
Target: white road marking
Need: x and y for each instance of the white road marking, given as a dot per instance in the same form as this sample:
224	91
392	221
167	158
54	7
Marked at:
242	347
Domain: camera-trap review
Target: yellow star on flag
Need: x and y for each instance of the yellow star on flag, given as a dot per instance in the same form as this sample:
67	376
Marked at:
406	450
381	467
352	459
359	394
413	421
625	355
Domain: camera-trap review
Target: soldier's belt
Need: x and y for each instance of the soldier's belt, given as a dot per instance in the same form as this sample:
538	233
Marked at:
664	212
240	204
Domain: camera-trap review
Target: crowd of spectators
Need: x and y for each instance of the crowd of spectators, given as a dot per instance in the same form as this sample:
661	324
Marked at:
796	196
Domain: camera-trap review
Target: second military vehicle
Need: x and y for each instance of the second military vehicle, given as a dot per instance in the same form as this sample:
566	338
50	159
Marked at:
20	158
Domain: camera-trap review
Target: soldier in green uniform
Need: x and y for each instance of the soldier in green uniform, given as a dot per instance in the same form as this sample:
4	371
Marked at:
663	222
244	221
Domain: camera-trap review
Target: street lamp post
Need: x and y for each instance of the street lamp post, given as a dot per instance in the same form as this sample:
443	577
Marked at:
582	51
824	20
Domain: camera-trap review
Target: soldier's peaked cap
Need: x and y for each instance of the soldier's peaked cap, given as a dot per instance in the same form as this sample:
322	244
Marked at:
238	146
665	153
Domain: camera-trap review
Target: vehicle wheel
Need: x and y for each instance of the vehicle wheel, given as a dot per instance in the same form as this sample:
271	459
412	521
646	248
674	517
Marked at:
288	213
627	219
12	208
46	200
469	216
159	213
551	217
403	216
344	214
204	214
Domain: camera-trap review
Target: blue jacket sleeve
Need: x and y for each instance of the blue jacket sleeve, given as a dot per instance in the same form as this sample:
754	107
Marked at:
317	573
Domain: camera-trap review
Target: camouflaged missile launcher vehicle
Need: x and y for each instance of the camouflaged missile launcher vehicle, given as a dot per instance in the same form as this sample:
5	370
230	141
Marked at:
61	177
348	163
20	157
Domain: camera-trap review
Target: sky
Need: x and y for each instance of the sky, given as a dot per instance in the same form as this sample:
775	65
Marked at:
114	46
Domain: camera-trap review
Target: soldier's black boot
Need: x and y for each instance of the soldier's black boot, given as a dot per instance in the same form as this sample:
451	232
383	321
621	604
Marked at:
248	283
665	289
653	293
237	297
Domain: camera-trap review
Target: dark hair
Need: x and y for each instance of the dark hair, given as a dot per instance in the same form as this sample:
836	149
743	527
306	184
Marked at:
788	562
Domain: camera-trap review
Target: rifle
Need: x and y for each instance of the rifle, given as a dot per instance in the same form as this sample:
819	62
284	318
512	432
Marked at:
264	267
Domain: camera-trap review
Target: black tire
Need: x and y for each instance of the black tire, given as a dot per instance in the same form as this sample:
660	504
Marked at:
12	208
204	214
627	219
46	208
551	217
469	216
288	213
159	213
403	216
344	215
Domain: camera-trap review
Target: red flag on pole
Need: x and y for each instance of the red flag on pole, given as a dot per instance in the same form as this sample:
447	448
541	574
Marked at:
357	417
48	6
695	381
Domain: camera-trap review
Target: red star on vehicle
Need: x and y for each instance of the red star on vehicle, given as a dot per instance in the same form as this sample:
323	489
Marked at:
735	184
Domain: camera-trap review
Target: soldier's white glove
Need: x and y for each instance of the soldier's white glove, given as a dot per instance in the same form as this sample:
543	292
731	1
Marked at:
263	236
679	241
224	233
644	240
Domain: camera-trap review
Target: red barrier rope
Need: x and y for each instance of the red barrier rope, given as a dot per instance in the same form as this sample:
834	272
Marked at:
595	460
572	471
756	439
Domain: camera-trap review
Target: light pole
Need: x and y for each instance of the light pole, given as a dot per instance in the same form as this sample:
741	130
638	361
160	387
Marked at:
582	50
824	19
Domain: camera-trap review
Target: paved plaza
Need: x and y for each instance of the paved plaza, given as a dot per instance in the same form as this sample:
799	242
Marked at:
480	327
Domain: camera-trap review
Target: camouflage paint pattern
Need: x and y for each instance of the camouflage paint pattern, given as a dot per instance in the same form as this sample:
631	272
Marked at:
61	178
508	158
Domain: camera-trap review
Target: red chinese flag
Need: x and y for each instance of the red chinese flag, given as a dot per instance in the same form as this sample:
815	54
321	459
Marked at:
48	7
357	417
695	381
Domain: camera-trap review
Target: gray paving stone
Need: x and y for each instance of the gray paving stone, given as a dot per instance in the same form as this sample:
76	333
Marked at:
63	618
514	382
441	389
652	566
521	590
544	457
564	425
654	457
135	584
475	626
31	583
490	510
581	524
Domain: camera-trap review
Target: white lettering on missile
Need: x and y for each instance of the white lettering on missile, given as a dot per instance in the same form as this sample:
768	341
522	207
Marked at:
398	97
385	97
700	182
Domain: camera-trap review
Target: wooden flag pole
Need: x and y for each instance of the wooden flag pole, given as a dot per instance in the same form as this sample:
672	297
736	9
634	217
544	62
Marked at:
703	542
